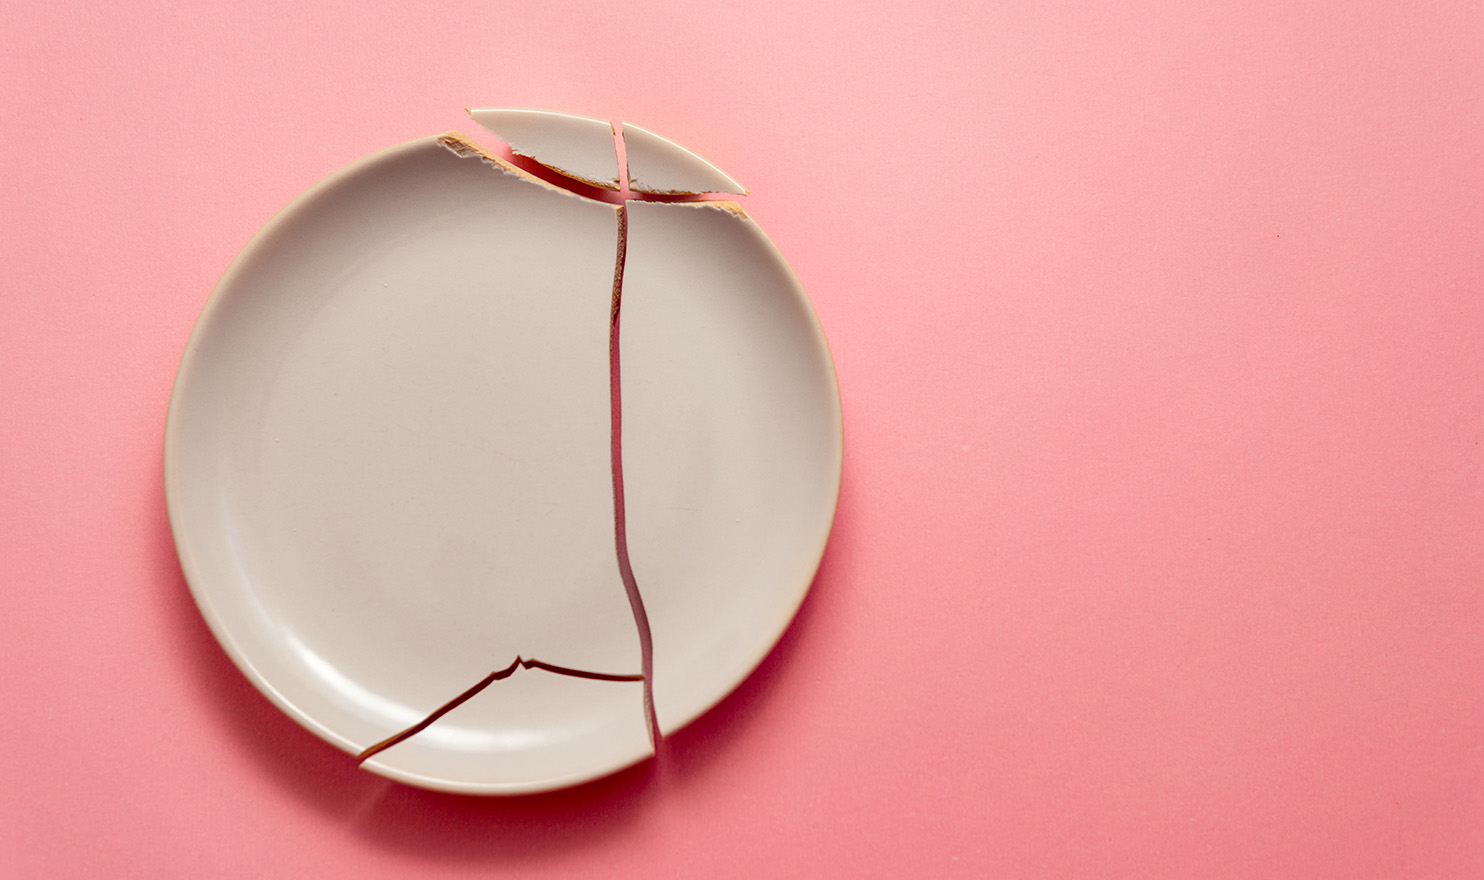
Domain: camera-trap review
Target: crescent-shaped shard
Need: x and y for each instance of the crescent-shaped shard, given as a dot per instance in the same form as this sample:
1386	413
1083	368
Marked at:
578	147
659	166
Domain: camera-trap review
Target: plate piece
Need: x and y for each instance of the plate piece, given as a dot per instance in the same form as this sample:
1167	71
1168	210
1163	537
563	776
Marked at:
660	166
578	146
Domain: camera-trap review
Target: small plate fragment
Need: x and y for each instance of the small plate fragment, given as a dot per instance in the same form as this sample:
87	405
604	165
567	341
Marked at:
578	146
660	166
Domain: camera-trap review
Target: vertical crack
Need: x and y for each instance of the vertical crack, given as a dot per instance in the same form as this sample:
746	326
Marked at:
464	148
620	529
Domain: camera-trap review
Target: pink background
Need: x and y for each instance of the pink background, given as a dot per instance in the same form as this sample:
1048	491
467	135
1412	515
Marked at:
1160	329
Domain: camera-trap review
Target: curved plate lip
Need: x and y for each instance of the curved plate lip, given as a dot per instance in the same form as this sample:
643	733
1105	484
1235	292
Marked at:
202	591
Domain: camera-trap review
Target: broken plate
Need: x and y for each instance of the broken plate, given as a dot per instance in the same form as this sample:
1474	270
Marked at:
393	479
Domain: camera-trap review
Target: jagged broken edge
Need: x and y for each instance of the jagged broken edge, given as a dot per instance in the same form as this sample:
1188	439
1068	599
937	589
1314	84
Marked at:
465	148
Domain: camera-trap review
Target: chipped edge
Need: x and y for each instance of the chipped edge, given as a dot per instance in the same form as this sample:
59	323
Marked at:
639	186
725	205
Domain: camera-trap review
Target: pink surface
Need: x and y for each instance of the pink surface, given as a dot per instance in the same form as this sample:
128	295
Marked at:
1160	329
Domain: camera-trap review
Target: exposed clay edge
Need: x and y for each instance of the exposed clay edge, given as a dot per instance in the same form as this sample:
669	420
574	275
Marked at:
641	190
620	156
488	680
610	185
657	194
461	146
728	206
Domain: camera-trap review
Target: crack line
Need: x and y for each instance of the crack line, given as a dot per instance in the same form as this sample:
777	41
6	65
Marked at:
488	680
620	521
620	526
463	148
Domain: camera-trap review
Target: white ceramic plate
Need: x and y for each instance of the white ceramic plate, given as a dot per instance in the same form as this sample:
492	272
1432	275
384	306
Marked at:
389	466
